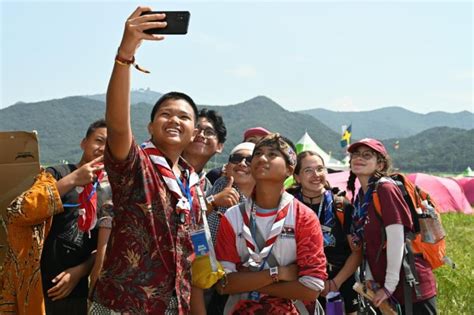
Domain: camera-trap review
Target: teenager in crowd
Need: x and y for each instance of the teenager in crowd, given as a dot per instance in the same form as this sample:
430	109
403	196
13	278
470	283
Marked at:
335	217
252	135
67	257
271	246
147	268
370	162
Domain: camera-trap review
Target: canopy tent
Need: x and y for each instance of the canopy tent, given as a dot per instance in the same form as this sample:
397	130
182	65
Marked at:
467	184
306	143
445	191
468	172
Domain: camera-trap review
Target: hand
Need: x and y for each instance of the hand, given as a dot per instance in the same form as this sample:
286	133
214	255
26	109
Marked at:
87	172
228	197
133	33
288	273
65	282
329	286
379	297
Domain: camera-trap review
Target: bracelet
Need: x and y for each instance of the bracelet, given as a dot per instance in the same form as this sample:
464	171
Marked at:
211	201
125	62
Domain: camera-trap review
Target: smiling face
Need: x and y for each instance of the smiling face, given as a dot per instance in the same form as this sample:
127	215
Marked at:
268	164
364	162
173	125
93	145
312	174
240	170
205	143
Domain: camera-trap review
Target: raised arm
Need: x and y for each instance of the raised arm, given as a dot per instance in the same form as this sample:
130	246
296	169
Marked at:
117	115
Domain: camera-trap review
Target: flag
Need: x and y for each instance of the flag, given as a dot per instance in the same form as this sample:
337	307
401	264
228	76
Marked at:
346	137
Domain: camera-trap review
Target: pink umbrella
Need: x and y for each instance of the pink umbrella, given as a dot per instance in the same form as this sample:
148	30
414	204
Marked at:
467	183
445	191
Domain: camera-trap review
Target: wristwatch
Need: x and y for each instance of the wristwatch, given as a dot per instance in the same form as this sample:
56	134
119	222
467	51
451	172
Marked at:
274	274
211	201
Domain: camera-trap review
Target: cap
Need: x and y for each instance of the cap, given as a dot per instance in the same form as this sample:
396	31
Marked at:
243	146
256	131
371	143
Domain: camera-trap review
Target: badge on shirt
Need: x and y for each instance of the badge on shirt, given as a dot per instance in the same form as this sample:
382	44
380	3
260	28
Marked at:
201	247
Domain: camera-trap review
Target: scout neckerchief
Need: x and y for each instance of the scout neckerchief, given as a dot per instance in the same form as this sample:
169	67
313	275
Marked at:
359	216
183	192
329	220
257	256
88	204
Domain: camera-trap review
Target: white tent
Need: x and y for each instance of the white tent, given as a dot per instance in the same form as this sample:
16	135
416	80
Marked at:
307	143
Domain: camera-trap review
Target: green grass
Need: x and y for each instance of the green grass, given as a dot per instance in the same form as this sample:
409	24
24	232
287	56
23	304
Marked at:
456	286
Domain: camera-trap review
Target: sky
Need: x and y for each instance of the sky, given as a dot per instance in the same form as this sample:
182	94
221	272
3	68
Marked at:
342	56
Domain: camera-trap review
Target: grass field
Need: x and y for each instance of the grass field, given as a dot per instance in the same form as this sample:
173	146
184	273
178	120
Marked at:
455	287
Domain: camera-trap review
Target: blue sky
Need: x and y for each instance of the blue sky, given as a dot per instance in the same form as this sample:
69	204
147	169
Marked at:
336	55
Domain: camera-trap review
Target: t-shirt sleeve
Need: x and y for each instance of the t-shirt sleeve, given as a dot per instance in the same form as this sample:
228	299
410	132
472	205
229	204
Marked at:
394	208
309	244
226	248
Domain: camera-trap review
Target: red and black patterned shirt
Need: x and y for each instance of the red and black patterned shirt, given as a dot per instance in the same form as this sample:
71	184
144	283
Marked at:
147	256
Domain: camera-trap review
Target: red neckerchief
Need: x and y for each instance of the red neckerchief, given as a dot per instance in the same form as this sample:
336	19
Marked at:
88	204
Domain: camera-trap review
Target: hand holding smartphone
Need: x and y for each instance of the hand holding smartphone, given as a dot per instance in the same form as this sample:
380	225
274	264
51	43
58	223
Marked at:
177	23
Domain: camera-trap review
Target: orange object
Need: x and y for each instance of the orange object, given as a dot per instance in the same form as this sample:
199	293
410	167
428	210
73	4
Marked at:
28	221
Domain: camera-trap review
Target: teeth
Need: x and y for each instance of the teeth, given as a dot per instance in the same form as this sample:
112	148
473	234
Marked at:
173	130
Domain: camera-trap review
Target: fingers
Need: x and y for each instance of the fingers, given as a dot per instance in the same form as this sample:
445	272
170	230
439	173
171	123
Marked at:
138	11
230	182
97	160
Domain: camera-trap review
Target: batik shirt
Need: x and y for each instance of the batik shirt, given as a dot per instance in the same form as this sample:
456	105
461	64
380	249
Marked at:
28	221
148	253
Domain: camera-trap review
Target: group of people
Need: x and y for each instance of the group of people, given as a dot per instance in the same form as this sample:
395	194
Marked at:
116	233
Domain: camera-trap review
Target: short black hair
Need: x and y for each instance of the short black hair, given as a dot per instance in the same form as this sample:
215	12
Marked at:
174	96
96	125
217	122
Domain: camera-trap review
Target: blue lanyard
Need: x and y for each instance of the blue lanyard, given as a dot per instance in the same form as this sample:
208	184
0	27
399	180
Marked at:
186	190
94	189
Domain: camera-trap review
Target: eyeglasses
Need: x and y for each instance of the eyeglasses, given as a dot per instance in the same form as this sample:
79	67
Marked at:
311	170
237	158
207	132
366	155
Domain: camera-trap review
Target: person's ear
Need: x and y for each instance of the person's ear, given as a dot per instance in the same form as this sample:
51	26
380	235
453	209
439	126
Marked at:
289	170
220	147
83	143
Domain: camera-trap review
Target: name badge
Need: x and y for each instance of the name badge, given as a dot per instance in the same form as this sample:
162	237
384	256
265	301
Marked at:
201	247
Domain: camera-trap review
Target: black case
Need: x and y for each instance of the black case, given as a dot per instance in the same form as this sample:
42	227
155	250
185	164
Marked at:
178	22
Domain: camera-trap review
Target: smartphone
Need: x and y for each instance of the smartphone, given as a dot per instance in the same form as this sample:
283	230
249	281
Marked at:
178	22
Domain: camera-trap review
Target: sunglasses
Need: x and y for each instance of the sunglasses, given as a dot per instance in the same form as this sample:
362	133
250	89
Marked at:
237	158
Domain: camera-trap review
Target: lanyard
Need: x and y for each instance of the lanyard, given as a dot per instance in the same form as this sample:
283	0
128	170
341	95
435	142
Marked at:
94	189
186	190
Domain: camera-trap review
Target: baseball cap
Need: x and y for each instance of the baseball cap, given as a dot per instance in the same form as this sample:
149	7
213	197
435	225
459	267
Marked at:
256	131
371	143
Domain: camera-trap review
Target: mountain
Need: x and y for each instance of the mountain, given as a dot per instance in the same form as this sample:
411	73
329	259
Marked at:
440	149
390	122
62	123
137	96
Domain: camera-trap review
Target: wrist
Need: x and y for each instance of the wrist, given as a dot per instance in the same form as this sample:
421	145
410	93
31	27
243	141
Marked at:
211	202
274	274
125	53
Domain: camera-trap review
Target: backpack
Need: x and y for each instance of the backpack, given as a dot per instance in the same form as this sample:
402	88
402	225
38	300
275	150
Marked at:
428	237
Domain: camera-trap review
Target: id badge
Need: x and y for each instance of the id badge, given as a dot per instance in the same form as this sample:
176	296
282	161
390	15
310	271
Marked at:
201	247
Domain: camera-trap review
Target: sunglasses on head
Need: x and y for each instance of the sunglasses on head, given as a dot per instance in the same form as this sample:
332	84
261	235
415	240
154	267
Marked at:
237	158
